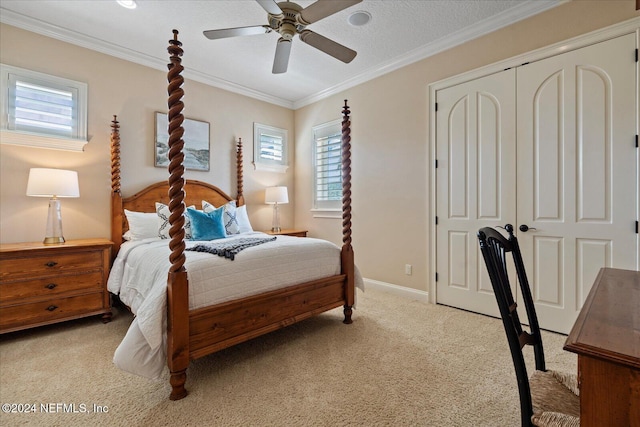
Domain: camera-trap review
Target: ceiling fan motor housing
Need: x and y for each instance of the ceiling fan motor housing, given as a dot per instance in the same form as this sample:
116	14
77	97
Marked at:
289	22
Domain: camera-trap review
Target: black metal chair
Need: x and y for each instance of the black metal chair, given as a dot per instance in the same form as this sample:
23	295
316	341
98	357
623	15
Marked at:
548	398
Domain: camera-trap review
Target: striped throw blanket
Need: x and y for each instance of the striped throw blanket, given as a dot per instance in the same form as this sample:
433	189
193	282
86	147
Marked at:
231	248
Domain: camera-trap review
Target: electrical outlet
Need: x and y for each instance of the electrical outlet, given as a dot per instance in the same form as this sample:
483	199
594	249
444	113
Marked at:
407	269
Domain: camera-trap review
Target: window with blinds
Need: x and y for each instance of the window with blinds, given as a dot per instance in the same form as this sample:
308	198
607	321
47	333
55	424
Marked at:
327	154
39	105
270	148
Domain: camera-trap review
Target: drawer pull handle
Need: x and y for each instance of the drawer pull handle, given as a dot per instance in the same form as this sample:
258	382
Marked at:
51	286
52	307
51	263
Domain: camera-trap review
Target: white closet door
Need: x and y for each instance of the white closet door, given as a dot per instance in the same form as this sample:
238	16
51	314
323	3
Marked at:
475	139
577	183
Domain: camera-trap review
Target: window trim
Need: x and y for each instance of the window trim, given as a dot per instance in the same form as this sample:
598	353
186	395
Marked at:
37	139
321	208
270	165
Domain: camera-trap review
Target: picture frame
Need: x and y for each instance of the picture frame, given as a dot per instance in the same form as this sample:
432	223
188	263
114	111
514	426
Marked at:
196	143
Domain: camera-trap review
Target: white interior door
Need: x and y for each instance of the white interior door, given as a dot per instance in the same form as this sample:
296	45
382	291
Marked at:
475	134
577	184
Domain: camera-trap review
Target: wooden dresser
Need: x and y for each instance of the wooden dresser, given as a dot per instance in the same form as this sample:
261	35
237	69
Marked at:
42	284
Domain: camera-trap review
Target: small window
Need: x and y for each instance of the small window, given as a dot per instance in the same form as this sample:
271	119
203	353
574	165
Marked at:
42	110
327	165
269	148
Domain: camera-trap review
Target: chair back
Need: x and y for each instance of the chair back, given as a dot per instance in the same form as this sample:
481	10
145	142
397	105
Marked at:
495	248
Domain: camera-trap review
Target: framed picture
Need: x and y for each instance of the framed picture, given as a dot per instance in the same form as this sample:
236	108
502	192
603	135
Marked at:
196	143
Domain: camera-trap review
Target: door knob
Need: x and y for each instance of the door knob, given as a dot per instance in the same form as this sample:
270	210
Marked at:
524	228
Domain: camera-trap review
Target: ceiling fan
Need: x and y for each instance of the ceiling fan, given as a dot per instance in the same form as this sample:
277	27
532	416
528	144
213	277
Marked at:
288	19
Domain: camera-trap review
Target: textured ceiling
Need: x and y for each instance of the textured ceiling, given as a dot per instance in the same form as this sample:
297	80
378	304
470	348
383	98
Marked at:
400	32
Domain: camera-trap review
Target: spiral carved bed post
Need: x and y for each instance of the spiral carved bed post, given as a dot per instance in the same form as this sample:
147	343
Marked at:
116	195
239	172
177	285
347	251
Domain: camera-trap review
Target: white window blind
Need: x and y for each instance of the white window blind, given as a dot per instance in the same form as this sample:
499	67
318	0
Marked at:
327	140
38	108
43	110
269	148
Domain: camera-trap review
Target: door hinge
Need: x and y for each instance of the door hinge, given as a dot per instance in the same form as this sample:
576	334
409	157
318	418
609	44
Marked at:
636	55
436	163
436	220
636	227
436	106
436	276
636	141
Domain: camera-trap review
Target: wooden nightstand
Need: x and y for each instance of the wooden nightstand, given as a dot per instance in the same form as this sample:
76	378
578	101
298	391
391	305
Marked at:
42	284
288	232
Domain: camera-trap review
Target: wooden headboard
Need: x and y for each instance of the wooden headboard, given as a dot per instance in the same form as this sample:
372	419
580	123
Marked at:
145	200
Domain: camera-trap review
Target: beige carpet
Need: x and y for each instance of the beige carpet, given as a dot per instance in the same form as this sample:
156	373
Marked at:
401	363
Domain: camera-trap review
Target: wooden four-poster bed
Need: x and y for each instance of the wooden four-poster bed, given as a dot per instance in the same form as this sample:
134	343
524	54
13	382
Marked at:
194	333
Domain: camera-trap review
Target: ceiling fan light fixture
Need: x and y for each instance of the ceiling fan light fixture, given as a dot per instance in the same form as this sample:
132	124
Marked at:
129	4
359	18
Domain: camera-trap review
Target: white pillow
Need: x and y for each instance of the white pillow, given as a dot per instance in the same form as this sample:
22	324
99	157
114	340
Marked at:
243	219
142	225
162	222
229	219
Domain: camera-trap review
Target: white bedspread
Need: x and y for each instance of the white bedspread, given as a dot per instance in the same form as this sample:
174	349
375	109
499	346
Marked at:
139	277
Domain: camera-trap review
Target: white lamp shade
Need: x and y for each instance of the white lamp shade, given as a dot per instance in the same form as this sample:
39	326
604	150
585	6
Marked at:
276	195
45	182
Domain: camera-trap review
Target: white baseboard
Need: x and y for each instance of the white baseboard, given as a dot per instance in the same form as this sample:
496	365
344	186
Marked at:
402	291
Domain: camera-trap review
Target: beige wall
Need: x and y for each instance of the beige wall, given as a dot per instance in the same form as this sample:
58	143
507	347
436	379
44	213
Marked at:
390	138
132	92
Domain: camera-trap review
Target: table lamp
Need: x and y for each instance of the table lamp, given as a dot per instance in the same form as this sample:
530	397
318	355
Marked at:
53	183
276	196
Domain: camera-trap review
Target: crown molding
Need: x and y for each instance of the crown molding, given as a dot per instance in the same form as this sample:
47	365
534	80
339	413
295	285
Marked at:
43	28
523	11
511	16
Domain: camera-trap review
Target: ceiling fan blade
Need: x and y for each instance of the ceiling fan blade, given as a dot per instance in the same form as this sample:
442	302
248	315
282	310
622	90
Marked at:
328	46
239	31
270	6
323	8
281	60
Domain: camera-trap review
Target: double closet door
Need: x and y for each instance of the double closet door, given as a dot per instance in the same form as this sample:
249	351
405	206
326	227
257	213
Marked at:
548	147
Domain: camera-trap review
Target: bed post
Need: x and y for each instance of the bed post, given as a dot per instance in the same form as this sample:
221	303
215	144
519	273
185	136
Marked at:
346	253
116	195
177	284
240	196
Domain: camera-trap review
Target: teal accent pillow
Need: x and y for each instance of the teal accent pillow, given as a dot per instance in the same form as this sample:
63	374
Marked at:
229	218
206	225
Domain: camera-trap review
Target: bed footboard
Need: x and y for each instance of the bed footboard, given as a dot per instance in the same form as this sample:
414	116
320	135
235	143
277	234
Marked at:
225	325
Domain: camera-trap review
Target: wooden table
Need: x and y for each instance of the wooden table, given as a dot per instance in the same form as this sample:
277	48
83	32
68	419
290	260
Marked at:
606	337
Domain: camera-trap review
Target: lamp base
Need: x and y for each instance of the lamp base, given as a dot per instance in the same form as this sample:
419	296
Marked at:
275	224
53	240
54	223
